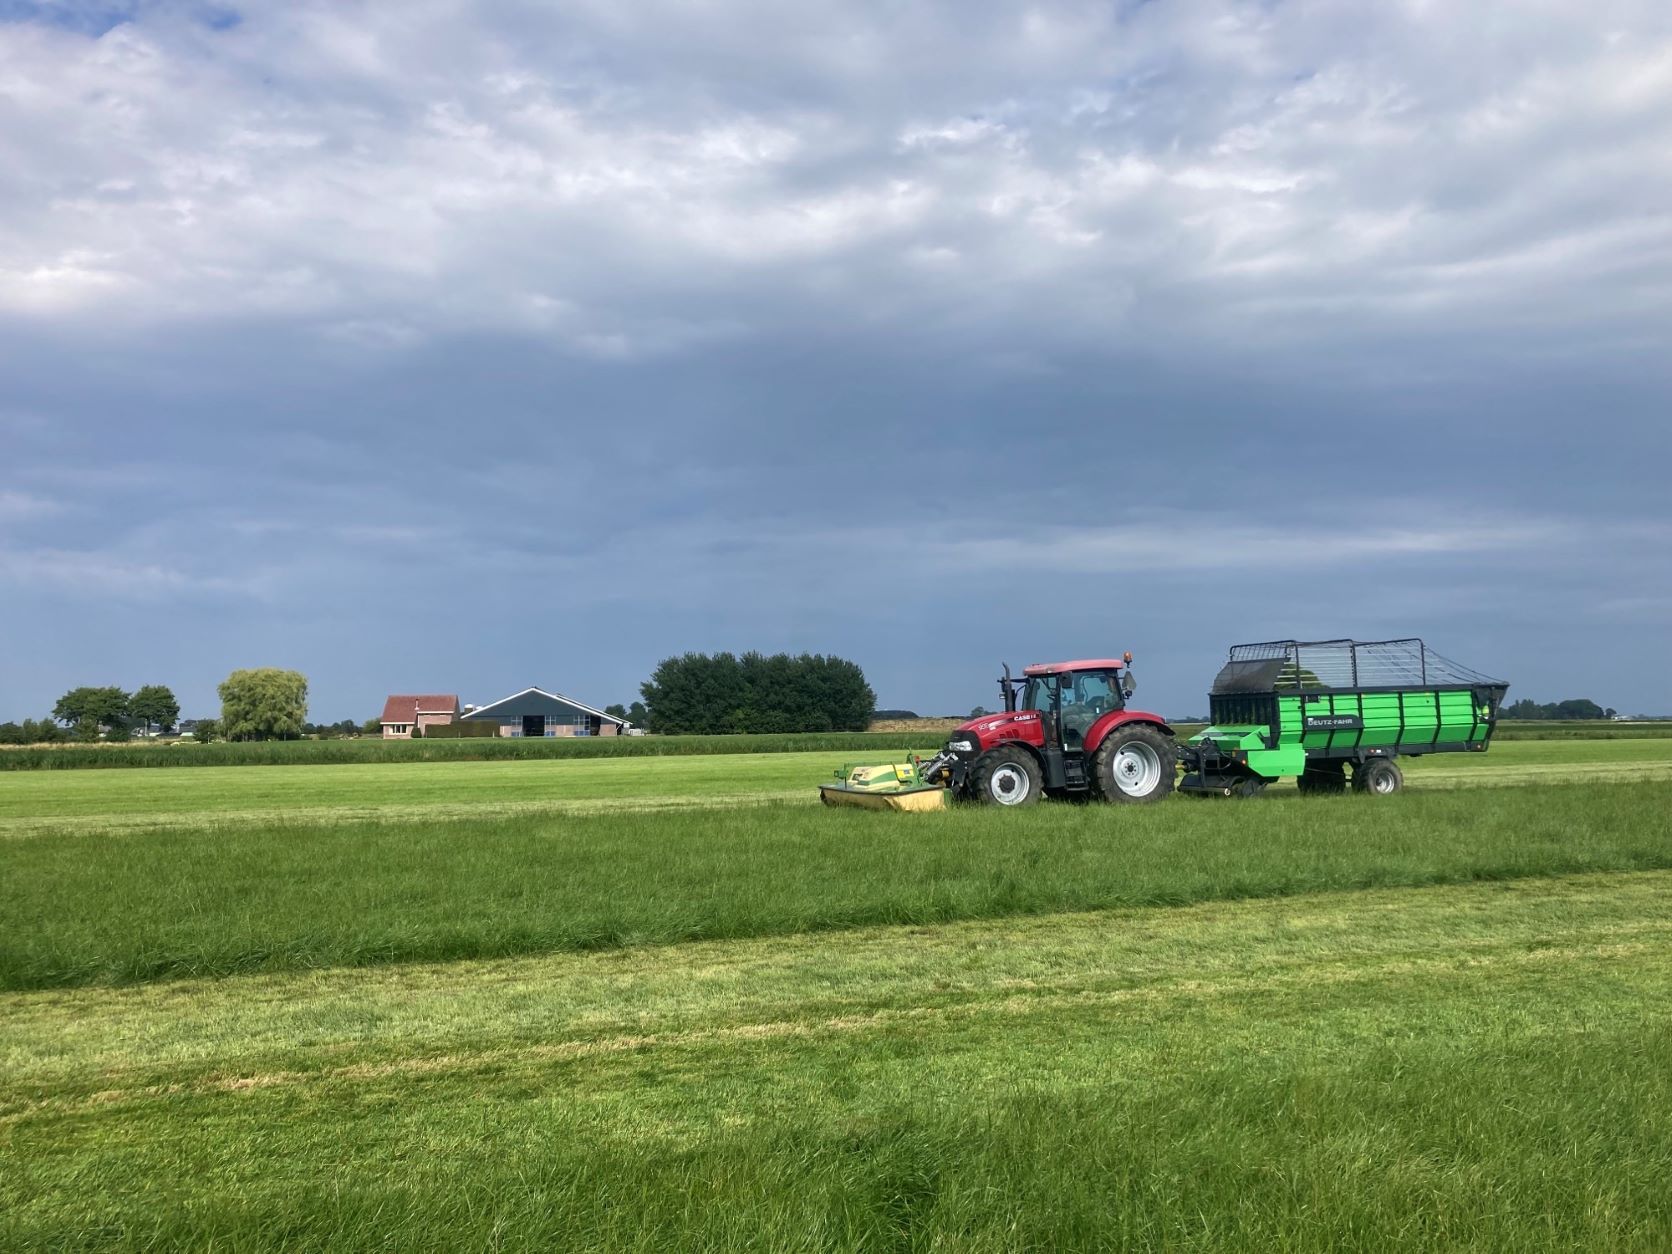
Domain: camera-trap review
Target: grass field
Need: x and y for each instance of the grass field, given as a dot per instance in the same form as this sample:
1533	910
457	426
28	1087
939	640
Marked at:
673	1003
1483	1065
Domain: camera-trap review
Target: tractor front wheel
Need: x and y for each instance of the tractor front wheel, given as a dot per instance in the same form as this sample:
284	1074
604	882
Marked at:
1378	777
1137	763
1007	776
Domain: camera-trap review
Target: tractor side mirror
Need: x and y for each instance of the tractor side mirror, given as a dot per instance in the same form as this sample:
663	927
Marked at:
1128	685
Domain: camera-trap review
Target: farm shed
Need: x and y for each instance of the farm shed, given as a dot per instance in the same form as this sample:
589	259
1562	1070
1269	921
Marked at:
535	712
403	713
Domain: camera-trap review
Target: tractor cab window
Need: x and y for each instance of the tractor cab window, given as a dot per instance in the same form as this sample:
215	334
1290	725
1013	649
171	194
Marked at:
1040	694
1086	697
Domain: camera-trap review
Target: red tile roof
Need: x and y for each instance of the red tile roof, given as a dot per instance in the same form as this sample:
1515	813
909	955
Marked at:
407	709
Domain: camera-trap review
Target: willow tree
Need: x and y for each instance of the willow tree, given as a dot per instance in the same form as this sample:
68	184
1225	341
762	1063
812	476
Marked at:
265	703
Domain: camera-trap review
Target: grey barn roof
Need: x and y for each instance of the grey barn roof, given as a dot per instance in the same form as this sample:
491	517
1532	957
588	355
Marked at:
520	703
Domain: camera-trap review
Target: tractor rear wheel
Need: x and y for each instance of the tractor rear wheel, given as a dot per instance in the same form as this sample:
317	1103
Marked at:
1136	764
1323	777
1378	777
1007	776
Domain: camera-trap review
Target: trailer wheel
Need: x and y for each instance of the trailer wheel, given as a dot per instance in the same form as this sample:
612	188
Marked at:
1378	777
1249	786
1323	777
1136	763
1007	776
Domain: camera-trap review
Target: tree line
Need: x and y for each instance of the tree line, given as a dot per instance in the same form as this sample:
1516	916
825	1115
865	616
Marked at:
719	693
693	694
95	713
1580	708
263	703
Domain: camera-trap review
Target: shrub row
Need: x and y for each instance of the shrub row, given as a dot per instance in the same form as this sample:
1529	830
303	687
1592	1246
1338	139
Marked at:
435	749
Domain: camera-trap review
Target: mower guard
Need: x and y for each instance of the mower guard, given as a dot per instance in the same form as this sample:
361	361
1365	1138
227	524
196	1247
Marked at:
893	786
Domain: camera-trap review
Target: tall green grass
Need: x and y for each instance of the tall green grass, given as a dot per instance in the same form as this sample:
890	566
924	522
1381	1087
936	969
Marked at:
1481	1067
212	900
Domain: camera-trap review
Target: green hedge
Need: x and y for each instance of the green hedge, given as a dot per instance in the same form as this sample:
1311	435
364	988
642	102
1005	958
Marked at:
459	731
336	752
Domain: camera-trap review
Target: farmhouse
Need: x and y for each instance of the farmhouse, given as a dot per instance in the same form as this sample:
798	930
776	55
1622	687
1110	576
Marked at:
534	712
403	713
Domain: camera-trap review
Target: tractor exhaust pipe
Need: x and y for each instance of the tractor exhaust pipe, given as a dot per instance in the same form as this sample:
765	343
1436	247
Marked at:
1007	686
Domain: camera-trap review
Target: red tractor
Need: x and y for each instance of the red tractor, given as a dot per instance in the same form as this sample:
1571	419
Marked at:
1069	733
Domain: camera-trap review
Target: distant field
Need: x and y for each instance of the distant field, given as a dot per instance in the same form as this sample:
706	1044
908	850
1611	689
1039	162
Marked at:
917	726
1581	729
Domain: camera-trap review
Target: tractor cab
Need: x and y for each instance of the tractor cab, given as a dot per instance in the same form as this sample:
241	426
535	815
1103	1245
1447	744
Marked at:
1071	696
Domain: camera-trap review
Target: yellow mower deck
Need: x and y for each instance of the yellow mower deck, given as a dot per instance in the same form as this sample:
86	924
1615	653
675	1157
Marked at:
910	799
891	786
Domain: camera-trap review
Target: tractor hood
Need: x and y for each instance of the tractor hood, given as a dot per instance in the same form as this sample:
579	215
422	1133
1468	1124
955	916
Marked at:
990	727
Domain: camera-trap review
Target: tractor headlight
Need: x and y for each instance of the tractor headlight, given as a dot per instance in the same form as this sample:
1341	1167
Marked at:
961	746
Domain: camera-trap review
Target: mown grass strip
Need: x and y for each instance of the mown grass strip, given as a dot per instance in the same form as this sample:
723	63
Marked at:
224	899
454	786
1478	1065
252	1030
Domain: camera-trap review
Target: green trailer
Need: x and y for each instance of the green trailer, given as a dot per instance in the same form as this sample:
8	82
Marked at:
1315	709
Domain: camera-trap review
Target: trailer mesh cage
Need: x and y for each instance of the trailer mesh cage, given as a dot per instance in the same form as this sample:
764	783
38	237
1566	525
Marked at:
1342	665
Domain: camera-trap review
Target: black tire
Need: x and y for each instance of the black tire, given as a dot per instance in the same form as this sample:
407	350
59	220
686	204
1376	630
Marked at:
1136	764
1378	777
1249	786
1323	777
1007	776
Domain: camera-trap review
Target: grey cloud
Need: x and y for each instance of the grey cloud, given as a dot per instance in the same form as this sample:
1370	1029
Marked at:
1172	319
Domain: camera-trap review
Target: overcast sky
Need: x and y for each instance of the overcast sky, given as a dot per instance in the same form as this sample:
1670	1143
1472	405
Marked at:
432	346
